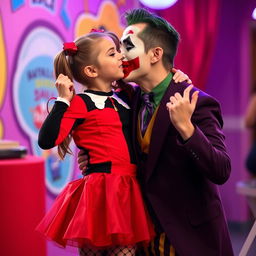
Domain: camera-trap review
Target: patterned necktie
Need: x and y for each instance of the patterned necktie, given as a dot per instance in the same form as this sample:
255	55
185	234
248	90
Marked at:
147	110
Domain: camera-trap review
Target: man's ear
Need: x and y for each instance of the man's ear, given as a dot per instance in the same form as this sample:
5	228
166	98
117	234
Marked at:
156	54
90	71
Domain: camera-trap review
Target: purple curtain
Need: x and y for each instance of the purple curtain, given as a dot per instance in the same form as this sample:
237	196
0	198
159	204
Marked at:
197	22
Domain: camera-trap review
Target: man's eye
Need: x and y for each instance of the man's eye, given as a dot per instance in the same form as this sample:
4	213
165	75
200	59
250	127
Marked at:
128	44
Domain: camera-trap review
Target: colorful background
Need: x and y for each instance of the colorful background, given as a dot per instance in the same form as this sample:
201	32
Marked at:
215	50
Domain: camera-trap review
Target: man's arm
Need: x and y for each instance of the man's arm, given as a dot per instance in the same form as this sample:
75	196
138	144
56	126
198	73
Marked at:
181	108
204	142
207	144
82	160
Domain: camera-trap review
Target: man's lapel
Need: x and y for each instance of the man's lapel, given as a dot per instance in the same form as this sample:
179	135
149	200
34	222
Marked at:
161	125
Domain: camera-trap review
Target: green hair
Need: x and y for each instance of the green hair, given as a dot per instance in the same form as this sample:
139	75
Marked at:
158	32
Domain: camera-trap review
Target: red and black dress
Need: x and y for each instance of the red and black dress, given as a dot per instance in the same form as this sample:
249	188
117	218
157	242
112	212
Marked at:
105	207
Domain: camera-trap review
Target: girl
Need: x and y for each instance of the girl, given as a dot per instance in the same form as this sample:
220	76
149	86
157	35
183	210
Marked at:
102	213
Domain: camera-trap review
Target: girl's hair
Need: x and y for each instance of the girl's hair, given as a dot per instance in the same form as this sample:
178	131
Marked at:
72	65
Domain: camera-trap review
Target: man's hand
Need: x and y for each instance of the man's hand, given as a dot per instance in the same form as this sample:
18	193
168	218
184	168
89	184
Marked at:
65	87
181	109
179	76
82	161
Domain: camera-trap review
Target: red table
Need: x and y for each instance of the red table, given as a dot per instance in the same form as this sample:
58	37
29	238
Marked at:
22	202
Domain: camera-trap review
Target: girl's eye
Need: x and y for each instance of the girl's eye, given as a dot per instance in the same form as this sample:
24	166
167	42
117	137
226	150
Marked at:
112	54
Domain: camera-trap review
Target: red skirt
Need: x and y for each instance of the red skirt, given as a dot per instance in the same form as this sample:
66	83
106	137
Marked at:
99	210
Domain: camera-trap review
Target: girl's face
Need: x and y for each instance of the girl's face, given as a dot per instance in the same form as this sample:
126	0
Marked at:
109	60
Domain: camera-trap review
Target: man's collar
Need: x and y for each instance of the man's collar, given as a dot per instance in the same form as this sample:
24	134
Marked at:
160	89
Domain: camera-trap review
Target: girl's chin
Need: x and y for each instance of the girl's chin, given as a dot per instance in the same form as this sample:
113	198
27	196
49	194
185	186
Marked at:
121	76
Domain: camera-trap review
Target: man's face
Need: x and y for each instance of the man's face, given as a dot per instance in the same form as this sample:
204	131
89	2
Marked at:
136	63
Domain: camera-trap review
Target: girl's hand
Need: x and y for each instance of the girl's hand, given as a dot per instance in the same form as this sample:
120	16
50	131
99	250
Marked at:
65	87
179	76
181	109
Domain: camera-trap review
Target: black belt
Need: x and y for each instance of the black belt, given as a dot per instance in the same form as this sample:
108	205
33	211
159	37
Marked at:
99	167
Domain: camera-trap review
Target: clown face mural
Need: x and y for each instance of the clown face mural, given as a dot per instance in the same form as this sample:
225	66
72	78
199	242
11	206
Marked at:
136	64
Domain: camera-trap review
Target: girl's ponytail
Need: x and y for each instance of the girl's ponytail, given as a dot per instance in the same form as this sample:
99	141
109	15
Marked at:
61	66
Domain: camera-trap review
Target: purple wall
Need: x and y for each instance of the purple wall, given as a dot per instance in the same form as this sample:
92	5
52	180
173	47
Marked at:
229	82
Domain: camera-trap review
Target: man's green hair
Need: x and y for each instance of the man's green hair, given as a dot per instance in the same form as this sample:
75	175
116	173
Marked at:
158	32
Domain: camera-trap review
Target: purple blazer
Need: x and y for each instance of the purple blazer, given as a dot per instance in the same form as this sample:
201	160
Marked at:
179	180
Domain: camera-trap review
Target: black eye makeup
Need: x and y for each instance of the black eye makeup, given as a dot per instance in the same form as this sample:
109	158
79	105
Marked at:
127	43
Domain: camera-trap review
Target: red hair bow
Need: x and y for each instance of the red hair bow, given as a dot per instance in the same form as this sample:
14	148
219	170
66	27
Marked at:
97	30
70	48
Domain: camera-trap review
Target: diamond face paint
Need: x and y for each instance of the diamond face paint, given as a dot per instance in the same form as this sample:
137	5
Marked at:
128	43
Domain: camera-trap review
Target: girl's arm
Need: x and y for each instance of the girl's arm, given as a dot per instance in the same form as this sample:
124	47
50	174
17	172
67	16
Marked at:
60	122
63	116
51	127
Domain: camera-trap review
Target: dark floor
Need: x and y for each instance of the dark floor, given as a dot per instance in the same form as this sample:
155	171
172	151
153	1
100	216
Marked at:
238	234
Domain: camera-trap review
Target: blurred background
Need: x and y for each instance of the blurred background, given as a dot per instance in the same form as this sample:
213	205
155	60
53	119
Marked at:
217	51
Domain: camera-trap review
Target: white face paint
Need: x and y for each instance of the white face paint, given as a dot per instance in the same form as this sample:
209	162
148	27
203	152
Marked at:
136	60
132	46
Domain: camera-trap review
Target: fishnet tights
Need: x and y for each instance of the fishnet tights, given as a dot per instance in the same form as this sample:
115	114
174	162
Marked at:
113	251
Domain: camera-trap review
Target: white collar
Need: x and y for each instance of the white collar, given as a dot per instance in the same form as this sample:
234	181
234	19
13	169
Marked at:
99	100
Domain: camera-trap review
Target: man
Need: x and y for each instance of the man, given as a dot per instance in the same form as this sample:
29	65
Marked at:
179	145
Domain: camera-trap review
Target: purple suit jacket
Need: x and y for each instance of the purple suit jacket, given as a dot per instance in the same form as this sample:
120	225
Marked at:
179	179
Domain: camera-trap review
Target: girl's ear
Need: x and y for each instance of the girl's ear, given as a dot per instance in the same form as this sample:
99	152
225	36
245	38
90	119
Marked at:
90	71
156	54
